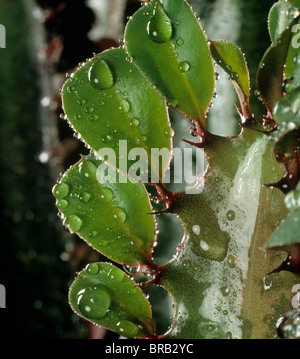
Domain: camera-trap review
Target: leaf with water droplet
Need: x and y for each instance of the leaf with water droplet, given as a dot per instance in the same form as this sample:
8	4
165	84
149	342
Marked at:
270	73
295	3
113	101
287	109
159	27
281	15
106	296
232	61
181	75
112	217
100	75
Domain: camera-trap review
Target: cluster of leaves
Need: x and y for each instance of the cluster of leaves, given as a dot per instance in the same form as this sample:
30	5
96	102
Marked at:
125	93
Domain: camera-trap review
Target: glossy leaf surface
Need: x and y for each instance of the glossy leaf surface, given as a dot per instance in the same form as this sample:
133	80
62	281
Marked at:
232	61
106	296
271	69
112	217
281	15
107	100
183	76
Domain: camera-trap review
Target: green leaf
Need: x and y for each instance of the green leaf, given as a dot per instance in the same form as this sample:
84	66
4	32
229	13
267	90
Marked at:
288	232
281	15
232	61
271	69
181	74
295	3
287	109
107	100
112	216
106	296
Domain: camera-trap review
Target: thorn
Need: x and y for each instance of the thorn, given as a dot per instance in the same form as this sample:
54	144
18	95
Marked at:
165	210
283	185
196	144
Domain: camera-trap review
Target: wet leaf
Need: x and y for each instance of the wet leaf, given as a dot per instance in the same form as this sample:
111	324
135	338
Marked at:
287	233
183	76
270	74
295	3
281	15
112	216
107	100
106	296
232	61
287	109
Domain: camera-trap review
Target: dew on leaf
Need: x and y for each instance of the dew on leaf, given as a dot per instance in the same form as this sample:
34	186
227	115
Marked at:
120	214
92	268
159	28
184	66
73	222
107	193
204	245
94	302
85	197
60	190
230	215
100	75
179	42
196	229
288	326
116	274
124	106
127	328
62	204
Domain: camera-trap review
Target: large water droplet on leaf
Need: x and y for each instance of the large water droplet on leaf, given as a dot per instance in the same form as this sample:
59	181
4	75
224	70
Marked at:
73	222
184	66
124	106
94	302
100	75
159	27
120	214
61	190
288	326
127	328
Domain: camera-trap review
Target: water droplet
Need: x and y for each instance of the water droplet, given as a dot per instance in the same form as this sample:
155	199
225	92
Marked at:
184	66
179	42
230	215
60	190
62	204
100	75
231	261
73	222
116	274
94	302
81	102
92	268
196	229
93	234
127	328
178	22
159	28
288	326
107	193
136	122
86	197
120	214
292	200
204	245
124	106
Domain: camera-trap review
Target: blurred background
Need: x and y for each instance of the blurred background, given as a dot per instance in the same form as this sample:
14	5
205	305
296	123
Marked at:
45	41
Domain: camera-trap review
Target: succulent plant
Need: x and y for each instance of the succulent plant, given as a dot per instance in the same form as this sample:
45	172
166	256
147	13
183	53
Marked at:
235	269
